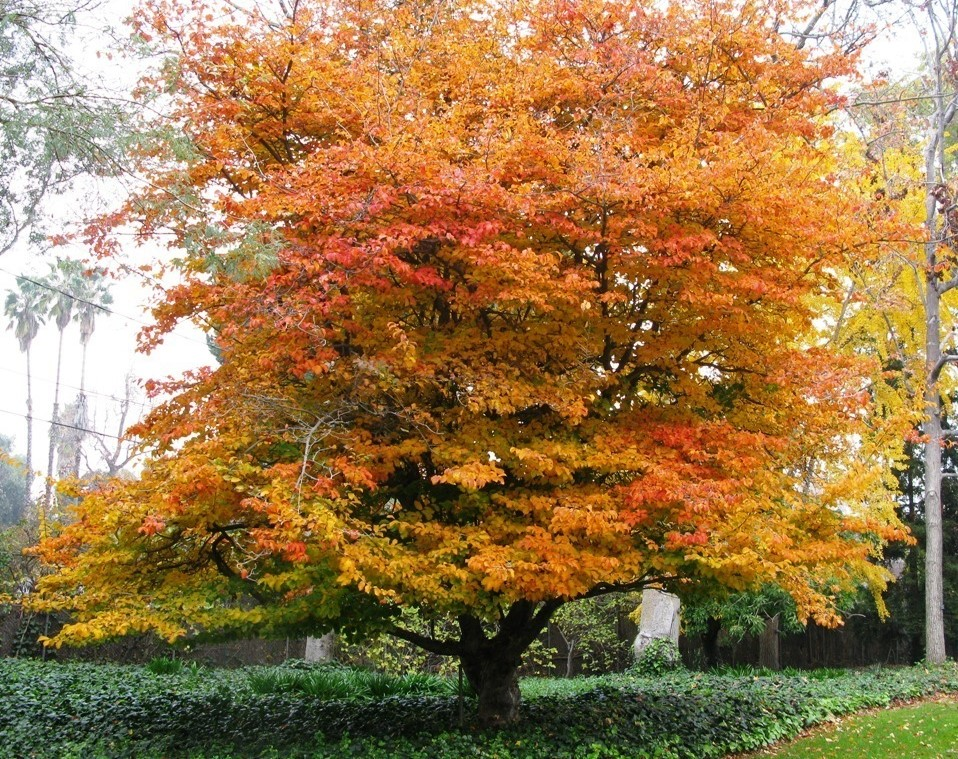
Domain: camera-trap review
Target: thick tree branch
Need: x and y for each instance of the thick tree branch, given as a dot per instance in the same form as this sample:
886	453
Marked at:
433	645
226	570
605	588
946	358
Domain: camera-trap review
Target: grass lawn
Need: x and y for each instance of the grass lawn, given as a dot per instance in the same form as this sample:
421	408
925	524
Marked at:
916	731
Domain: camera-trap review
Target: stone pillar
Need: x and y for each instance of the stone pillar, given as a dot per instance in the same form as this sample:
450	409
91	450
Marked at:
321	649
660	619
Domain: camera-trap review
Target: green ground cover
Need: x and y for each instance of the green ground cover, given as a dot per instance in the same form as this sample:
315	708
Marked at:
85	710
927	730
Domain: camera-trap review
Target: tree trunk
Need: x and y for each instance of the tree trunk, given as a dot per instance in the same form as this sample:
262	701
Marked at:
768	645
934	575
710	642
54	434
28	475
321	649
80	419
494	675
569	657
491	664
934	288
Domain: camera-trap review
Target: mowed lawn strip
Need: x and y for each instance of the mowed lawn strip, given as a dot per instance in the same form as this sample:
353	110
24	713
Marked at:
920	730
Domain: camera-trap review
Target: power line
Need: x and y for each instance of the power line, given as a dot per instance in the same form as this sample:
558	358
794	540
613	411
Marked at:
51	288
55	289
74	387
63	424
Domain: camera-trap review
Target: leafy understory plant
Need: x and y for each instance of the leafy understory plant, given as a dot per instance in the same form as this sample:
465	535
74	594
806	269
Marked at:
659	657
341	683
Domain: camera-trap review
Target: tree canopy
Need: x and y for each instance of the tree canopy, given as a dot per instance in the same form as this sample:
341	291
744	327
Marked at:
55	123
515	305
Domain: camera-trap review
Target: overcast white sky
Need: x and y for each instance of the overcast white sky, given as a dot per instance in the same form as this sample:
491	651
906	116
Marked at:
112	353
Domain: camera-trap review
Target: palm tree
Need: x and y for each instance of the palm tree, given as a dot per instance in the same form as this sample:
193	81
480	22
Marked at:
24	309
92	296
63	278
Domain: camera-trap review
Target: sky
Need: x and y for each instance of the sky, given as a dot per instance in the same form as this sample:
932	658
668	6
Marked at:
112	356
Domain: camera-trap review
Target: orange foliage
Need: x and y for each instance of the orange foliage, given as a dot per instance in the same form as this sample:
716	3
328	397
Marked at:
513	304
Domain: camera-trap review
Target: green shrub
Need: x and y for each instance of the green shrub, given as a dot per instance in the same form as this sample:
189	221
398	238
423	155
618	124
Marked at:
330	683
658	658
162	665
268	680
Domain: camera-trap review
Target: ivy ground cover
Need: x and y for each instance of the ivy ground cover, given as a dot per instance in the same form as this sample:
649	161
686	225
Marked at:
86	710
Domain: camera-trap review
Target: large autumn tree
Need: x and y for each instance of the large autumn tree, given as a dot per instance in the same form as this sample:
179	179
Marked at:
512	302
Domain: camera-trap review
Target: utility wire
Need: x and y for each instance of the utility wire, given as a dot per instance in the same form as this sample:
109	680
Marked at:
64	425
55	289
74	387
51	288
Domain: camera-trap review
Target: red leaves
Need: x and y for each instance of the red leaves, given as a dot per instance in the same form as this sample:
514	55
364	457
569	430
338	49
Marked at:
295	551
151	526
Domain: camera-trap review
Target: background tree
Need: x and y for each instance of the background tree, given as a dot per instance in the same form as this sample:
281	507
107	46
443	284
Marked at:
92	296
63	278
514	307
13	493
25	310
906	598
73	292
764	612
941	277
116	451
904	307
589	632
55	122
